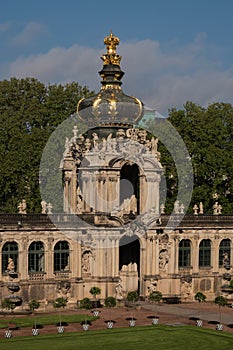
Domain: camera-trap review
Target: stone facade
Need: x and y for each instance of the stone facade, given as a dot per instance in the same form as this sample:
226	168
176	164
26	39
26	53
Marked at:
113	232
117	259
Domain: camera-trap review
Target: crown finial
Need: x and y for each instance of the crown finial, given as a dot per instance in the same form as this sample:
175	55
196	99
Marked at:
111	57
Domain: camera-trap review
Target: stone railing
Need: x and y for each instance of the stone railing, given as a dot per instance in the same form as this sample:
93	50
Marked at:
36	276
62	274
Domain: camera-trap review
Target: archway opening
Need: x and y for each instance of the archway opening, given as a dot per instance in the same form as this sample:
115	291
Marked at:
129	262
129	185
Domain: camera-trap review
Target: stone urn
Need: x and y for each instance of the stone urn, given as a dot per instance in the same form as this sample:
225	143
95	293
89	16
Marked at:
219	327
35	331
60	329
199	323
96	313
85	326
110	324
155	321
8	333
132	322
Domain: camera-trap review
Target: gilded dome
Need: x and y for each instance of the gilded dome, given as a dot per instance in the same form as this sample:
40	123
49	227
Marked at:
110	106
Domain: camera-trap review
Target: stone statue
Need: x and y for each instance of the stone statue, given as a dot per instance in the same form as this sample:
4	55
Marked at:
217	208
201	211
154	145
49	208
88	144
86	267
11	265
186	289
43	207
104	144
119	290
120	133
133	204
95	141
152	286
195	209
75	131
162	208
22	207
79	201
163	258
182	208
225	260
177	207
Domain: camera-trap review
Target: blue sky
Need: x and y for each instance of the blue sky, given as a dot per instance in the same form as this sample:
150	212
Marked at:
172	51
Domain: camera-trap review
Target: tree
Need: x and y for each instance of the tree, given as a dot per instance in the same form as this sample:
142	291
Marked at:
34	304
29	113
58	304
220	301
200	297
155	296
132	297
95	291
8	305
208	135
110	302
86	304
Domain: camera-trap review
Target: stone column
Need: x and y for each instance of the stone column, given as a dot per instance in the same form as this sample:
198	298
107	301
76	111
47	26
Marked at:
49	259
143	193
153	262
23	260
67	193
176	254
157	256
215	254
195	254
73	194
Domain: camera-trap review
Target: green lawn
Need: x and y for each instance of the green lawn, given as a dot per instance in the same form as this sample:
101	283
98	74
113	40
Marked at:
42	320
138	338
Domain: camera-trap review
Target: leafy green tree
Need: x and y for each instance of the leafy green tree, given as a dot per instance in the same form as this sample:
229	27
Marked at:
208	135
155	296
29	113
58	304
95	291
34	304
86	304
8	305
110	302
132	296
221	302
200	297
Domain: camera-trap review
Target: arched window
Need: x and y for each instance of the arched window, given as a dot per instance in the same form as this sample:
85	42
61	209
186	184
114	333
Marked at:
205	253
225	253
36	257
61	256
184	253
9	250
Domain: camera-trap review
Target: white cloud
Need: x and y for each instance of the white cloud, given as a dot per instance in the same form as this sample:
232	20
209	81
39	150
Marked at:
162	79
31	32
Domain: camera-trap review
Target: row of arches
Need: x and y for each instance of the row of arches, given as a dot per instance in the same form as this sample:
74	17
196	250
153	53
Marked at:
185	253
36	252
